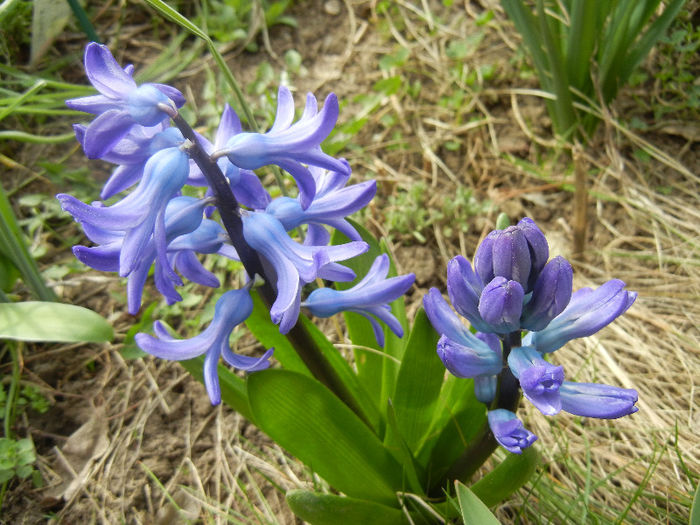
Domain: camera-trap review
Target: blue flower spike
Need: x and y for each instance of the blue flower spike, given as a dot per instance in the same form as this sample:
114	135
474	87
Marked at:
231	309
369	298
522	307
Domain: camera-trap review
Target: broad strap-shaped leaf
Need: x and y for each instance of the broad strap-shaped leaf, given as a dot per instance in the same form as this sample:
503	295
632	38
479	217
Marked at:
329	509
455	395
420	378
473	510
440	452
345	373
268	334
507	477
305	418
233	388
52	322
396	444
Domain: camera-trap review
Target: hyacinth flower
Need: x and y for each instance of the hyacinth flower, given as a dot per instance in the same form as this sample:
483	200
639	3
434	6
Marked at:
290	146
121	104
539	379
463	353
245	185
183	219
369	298
294	264
329	207
513	291
231	309
587	312
509	431
517	253
141	213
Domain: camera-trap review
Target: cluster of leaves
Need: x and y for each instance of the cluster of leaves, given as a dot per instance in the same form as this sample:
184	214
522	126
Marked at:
17	458
241	20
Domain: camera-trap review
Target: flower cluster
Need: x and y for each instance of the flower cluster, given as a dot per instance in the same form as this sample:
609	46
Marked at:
513	289
157	225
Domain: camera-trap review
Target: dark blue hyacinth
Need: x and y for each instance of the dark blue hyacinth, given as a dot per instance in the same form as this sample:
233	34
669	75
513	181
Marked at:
522	307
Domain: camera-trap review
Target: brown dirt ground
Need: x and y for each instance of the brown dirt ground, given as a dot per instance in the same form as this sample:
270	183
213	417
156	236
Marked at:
148	437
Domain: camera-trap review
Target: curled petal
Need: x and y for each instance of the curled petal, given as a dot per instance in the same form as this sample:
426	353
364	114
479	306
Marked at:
596	400
587	312
539	379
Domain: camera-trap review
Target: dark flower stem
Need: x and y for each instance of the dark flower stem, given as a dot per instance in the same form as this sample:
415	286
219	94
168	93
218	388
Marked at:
484	443
229	211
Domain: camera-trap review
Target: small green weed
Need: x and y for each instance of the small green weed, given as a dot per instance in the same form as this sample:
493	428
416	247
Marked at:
241	20
409	213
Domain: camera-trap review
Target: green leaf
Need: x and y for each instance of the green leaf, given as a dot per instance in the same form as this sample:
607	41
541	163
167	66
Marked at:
345	373
474	512
420	378
396	444
268	334
329	509
13	247
54	322
466	416
315	426
507	477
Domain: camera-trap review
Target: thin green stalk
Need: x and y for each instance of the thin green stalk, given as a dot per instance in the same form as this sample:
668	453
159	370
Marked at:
15	352
21	136
84	21
38	85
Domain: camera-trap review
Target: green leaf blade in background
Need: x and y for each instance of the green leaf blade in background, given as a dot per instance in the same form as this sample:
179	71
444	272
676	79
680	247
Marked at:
329	509
507	477
313	425
52	322
473	510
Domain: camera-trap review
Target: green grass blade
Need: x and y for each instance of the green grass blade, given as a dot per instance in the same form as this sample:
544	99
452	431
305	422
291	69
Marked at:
581	43
653	34
564	117
695	509
171	14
